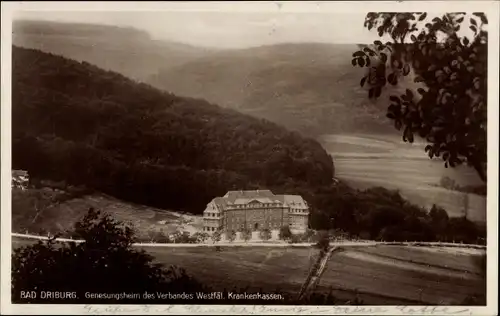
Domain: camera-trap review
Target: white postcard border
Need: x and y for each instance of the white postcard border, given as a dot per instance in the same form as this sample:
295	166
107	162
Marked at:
490	7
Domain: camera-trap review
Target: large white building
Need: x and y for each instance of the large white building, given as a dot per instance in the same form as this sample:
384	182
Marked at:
255	210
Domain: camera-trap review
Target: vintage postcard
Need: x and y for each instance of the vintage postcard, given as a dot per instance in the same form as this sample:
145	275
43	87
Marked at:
250	158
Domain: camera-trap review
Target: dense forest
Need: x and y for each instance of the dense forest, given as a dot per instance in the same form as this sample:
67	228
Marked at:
75	122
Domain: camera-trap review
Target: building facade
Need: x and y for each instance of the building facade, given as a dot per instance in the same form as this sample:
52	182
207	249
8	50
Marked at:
255	210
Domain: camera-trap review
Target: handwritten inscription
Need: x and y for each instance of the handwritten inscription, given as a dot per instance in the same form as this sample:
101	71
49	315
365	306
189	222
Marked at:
433	310
264	309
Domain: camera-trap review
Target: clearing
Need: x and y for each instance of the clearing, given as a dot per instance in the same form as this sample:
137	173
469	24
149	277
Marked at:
61	217
403	275
258	268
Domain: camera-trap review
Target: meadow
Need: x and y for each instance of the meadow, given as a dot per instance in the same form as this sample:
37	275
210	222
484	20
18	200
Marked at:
378	275
385	160
261	269
403	275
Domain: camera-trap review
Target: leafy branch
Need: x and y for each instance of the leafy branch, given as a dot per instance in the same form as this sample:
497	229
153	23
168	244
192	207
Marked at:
449	108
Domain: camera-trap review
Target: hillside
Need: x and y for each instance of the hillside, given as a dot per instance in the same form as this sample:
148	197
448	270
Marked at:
308	87
312	88
88	126
128	51
50	210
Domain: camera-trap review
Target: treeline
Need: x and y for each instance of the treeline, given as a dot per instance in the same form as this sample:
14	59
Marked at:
450	184
381	214
75	122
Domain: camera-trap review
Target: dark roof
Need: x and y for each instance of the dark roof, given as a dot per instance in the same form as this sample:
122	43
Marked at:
264	196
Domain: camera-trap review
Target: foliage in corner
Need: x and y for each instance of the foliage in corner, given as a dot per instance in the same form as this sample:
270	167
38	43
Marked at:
449	110
104	263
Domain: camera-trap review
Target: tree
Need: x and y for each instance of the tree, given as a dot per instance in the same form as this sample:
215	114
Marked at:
216	236
105	255
231	235
448	183
449	110
246	234
296	238
265	234
285	232
308	235
184	238
200	237
159	237
438	214
323	240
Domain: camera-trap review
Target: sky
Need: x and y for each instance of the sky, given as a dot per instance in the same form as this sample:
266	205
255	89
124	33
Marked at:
227	29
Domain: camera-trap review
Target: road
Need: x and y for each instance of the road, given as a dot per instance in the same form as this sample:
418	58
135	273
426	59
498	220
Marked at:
271	244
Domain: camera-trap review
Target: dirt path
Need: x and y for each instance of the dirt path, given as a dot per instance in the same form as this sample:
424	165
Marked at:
317	270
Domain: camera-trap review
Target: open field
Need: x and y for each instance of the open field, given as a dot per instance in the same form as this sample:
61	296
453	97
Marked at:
378	274
370	160
60	217
258	268
261	269
396	275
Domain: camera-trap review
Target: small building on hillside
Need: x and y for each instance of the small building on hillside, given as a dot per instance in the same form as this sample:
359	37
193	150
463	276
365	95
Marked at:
20	179
255	210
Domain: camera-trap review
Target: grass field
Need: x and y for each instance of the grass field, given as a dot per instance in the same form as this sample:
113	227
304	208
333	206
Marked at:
258	268
261	269
379	275
370	160
402	275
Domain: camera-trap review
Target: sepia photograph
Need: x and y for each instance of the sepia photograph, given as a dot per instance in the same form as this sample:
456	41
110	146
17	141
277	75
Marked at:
250	154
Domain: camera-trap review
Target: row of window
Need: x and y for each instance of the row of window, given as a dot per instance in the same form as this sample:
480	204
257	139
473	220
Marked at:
297	211
270	225
243	219
211	214
253	205
242	226
209	229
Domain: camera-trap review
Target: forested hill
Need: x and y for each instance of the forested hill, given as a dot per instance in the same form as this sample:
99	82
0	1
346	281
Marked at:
129	51
75	122
308	87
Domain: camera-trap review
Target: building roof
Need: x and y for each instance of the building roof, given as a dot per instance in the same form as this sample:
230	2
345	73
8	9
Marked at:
261	196
295	201
19	173
248	194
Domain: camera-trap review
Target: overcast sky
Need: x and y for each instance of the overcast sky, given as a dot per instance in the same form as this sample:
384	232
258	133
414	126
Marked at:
229	30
